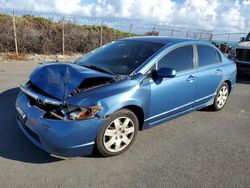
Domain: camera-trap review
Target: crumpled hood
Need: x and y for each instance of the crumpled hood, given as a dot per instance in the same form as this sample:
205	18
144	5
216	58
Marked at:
60	80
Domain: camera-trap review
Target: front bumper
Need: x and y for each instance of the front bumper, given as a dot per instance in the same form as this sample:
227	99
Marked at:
58	137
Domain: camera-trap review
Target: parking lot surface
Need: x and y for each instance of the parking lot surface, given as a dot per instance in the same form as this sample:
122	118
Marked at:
201	149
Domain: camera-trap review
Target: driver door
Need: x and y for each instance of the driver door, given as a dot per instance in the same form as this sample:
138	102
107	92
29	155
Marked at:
173	96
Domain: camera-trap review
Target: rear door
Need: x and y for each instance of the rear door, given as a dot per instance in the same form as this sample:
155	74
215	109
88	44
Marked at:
209	73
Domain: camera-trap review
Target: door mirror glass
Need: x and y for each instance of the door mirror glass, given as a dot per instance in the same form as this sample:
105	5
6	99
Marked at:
242	39
164	73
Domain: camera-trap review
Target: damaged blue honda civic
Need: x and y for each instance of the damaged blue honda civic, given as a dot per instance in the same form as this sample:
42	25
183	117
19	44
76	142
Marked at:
101	101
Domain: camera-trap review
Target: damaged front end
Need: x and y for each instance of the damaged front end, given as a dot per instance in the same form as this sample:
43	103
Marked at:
51	85
54	125
55	109
54	112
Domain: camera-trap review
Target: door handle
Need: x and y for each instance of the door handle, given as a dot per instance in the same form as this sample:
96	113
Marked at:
191	78
218	71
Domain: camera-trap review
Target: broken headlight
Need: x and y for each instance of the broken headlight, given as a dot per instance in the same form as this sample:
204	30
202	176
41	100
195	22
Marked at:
73	113
84	113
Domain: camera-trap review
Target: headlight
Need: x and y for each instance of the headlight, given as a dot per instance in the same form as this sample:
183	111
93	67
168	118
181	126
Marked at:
84	113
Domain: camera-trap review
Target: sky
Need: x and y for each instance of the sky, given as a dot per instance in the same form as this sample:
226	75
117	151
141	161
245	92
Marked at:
221	15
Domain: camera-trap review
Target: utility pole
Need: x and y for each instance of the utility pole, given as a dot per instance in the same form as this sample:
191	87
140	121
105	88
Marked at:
210	37
101	34
153	30
172	32
63	44
227	45
14	28
130	29
200	35
187	35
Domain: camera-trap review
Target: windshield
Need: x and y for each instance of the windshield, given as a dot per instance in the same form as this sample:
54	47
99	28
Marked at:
120	57
248	37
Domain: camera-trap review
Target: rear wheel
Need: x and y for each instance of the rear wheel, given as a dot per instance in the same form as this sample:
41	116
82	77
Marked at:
221	97
118	134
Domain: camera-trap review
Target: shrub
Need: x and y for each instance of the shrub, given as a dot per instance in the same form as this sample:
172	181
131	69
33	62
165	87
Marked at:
44	36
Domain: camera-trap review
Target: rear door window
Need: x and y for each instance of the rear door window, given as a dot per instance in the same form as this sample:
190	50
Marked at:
207	55
180	59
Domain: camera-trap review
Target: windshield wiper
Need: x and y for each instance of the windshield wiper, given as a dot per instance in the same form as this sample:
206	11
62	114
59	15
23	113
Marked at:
99	69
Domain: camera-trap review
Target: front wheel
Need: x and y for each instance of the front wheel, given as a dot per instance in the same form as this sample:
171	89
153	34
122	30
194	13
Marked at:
118	133
221	97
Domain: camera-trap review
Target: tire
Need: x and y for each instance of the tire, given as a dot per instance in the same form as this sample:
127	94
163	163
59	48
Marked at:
118	133
221	97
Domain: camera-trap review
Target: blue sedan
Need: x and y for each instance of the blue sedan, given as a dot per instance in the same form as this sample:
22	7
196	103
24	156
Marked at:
102	100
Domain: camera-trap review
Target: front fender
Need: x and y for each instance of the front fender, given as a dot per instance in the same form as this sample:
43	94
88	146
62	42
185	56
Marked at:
115	107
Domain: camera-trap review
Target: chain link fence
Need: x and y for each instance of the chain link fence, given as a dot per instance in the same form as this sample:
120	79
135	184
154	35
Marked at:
227	41
33	32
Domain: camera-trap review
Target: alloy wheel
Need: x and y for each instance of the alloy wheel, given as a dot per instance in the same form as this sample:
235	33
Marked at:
118	134
222	96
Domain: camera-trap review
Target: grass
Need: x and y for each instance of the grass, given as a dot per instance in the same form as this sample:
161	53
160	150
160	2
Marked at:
14	56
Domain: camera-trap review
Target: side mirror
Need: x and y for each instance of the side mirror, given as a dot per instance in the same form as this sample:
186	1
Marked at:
166	73
242	39
163	73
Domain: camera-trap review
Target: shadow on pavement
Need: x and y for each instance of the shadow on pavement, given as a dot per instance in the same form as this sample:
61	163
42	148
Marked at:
13	143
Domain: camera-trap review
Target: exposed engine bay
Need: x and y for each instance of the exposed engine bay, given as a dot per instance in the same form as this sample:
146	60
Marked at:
65	111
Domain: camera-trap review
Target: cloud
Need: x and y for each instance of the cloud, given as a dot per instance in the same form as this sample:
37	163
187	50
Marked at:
221	15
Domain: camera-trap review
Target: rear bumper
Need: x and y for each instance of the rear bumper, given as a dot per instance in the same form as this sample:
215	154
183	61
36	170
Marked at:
58	137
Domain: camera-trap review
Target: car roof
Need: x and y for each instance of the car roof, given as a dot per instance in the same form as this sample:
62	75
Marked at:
160	39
